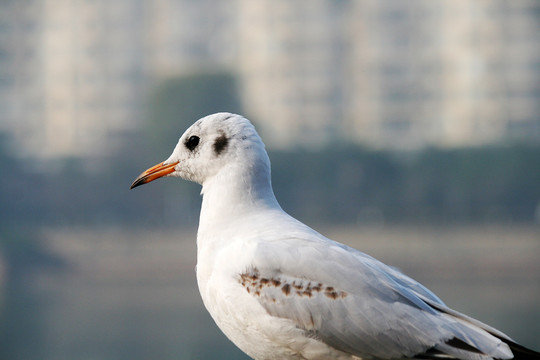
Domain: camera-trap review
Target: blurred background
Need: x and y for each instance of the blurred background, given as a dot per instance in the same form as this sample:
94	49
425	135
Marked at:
410	130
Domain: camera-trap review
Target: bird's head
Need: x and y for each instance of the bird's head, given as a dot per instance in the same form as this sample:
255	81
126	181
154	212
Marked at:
221	142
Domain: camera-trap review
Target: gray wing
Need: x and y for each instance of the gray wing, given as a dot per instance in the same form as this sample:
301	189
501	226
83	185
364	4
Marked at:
358	305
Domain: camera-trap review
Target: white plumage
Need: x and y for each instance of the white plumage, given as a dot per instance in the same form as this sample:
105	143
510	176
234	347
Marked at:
280	290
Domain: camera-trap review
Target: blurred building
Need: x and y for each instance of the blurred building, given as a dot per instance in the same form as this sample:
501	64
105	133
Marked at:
444	73
74	74
291	62
182	36
393	74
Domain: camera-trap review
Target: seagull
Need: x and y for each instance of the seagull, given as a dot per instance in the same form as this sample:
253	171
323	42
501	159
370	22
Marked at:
280	290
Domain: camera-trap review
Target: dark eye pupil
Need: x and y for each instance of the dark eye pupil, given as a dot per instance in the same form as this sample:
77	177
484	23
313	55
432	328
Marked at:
192	142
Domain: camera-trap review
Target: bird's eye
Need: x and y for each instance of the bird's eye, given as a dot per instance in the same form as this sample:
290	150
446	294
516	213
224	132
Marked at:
192	142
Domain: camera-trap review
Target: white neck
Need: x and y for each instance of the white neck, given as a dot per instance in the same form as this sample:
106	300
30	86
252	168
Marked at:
234	193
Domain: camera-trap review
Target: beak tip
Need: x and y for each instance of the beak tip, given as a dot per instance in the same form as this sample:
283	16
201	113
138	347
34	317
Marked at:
155	172
138	182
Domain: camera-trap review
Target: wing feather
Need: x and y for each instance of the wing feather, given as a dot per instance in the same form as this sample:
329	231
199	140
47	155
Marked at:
361	306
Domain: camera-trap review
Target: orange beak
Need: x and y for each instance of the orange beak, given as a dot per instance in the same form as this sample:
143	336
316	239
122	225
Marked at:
155	172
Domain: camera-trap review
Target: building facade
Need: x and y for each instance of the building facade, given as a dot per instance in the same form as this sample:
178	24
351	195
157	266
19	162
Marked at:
74	74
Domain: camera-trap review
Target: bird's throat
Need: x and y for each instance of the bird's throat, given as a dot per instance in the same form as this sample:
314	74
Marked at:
227	200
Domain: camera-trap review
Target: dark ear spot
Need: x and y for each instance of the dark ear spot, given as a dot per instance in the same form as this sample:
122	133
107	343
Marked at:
220	144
